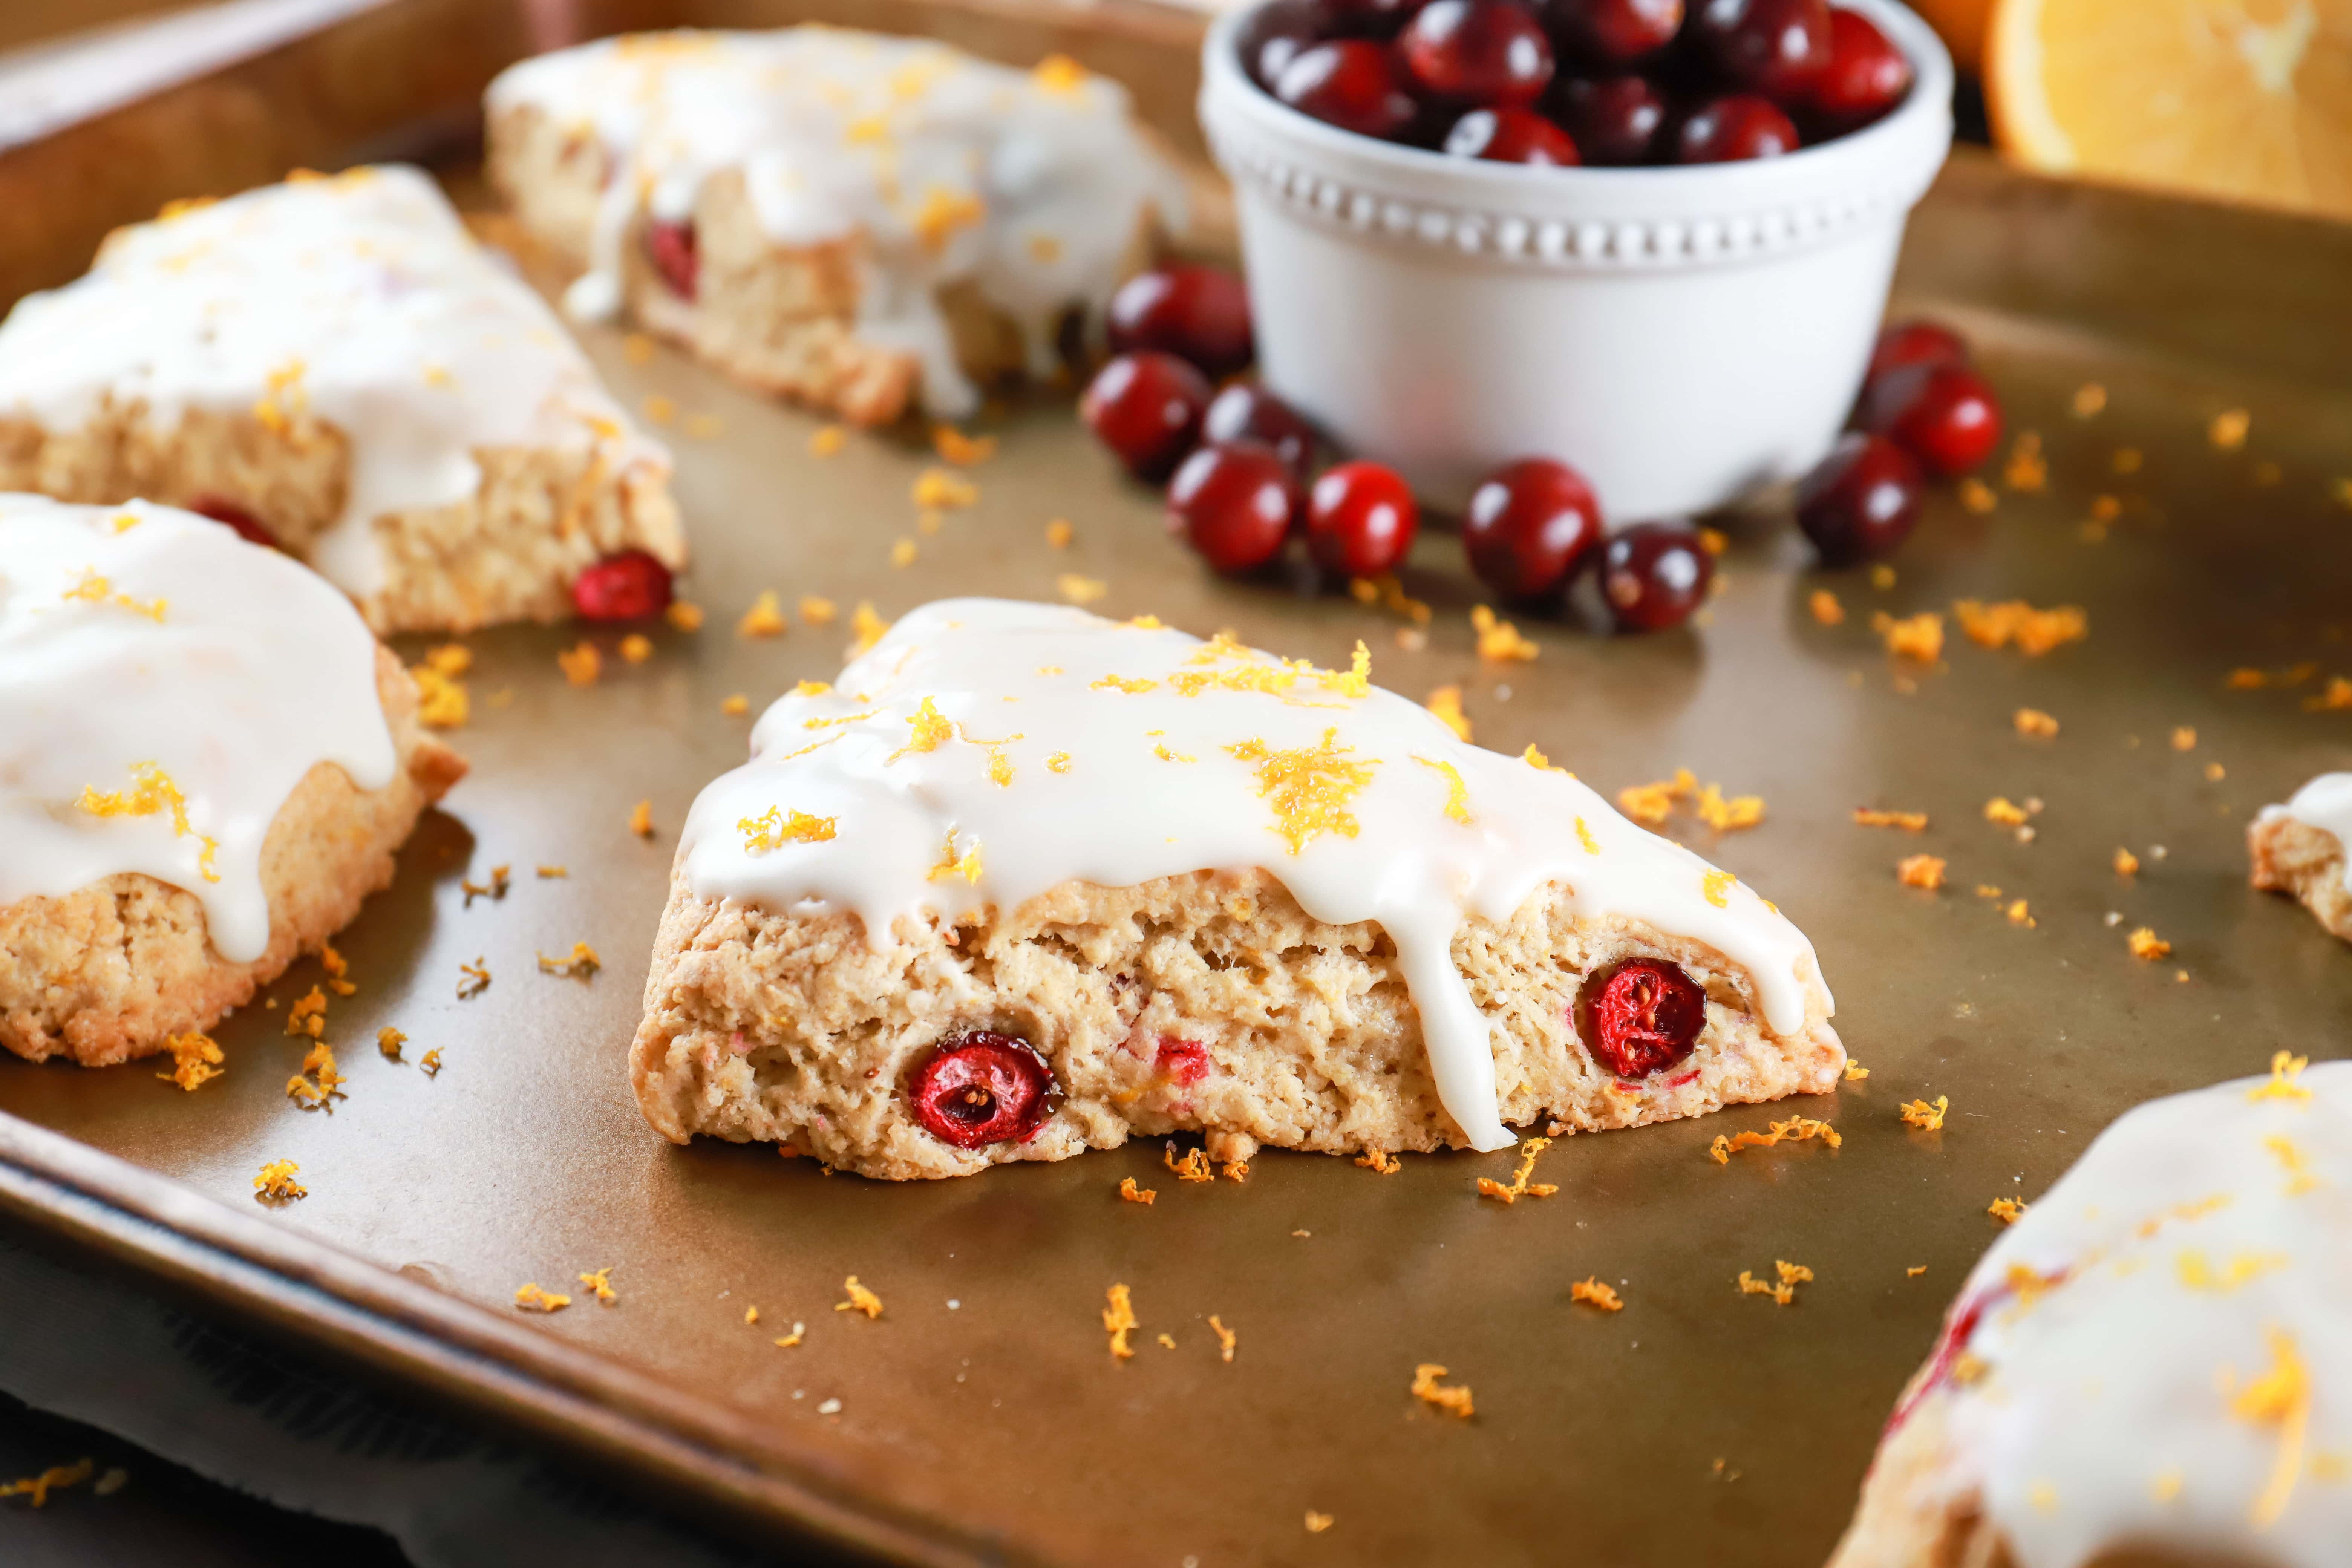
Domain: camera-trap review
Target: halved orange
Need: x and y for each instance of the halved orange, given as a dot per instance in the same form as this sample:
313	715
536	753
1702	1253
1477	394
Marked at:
2241	99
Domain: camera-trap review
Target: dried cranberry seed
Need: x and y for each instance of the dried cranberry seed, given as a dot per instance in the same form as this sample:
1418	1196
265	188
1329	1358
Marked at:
670	247
1646	1018
1234	504
1146	407
1861	500
1531	527
629	586
981	1088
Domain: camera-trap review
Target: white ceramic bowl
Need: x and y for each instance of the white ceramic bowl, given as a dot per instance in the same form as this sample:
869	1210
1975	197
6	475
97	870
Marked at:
1683	336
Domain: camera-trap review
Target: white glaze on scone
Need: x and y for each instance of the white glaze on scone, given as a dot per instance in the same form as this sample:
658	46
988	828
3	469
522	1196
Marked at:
1030	185
359	300
1066	747
2324	803
2161	1348
146	654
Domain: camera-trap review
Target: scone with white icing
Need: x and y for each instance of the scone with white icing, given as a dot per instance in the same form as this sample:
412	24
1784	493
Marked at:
206	762
333	366
855	221
2154	1366
2298	848
1024	882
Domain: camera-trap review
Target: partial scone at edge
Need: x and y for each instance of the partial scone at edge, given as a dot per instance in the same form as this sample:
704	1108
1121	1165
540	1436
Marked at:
2290	856
791	1028
105	974
1906	1518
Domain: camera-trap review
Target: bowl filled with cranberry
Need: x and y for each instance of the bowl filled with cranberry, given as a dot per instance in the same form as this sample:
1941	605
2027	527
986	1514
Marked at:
1650	238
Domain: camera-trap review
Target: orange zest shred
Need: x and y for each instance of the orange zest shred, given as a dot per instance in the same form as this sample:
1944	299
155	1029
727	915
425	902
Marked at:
1855	1070
1058	533
1796	1130
1446	703
2285	1069
641	819
865	625
1927	1118
1079	589
1784	1289
195	1060
1458	794
431	1062
530	1297
338	969
2006	1210
686	617
771	829
1733	816
276	1183
2280	1397
317	1084
1908	821
2014	622
581	664
860	1299
1920	638
389	1040
1130	1193
1652	803
153	793
1193	1167
1309	787
2033	721
2127	864
1119	1321
582	965
941	491
1500	642
1920	871
2146	944
1825	608
1593	1293
55	1477
1226	1338
442	702
954	447
1518	1188
1454	1400
599	1282
307	1015
766	618
1378	1160
2004	811
950	864
1716	888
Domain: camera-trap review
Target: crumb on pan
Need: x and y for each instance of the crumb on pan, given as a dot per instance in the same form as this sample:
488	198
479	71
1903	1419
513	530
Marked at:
276	1183
1454	1400
195	1060
1518	1187
1593	1293
1925	1117
860	1299
1119	1321
532	1298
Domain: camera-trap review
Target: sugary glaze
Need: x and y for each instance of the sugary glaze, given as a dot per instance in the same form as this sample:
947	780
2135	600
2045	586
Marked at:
358	299
1031	185
2324	803
985	750
2161	1351
164	687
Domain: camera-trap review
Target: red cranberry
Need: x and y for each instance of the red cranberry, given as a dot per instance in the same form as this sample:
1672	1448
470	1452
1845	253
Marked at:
1653	575
1860	502
1510	135
1198	313
1147	408
1185	1062
1248	412
248	527
1531	526
1778	47
670	247
1352	83
1616	119
1613	32
1274	38
1945	415
1731	129
629	586
1476	51
1865	77
1368	18
980	1088
1360	520
1916	341
1648	1017
1234	504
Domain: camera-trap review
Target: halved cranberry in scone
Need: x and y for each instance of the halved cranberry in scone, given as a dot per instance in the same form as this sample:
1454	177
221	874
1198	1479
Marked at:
1181	1061
981	1088
1646	1016
670	247
248	527
629	586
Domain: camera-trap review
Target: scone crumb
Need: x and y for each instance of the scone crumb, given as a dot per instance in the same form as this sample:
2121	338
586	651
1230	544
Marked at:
1193	1167
861	1299
1825	608
766	618
1446	703
600	1282
1387	1164
2005	1210
1119	1321
1226	1338
582	963
1927	1118
1454	1400
389	1040
2033	721
532	1298
276	1183
1500	642
641	819
1593	1293
1130	1193
195	1060
2146	944
827	439
1518	1188
1908	821
582	664
477	980
686	617
1316	1523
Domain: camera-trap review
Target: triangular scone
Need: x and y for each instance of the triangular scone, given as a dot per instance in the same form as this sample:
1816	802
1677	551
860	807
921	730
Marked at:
2155	1363
2299	848
856	221
333	363
1026	881
205	764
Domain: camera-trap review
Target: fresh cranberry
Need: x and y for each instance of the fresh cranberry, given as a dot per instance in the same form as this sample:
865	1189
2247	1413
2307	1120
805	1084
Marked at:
1646	1018
1945	415
1653	575
1486	52
980	1088
1508	135
1531	526
1234	504
1616	119
1246	411
1860	502
1613	32
1778	47
1916	341
1368	19
1352	83
1274	38
248	527
1197	314
630	586
670	247
1360	520
1865	77
1184	1062
1147	408
1731	129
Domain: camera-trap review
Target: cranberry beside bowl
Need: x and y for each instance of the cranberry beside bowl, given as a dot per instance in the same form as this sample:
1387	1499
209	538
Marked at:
1684	335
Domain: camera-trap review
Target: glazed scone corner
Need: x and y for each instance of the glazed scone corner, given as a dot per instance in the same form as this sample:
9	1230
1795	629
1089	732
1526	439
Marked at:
2297	848
257	763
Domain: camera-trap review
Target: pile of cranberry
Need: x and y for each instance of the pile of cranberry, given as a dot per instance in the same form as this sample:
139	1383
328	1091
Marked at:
1580	81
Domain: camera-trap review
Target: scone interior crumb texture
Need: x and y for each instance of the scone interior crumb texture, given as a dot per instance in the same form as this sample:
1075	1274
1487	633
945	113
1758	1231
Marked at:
2297	848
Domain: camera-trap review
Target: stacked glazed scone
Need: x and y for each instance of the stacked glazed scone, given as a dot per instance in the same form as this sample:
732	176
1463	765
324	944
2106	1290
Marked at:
2155	1364
2299	848
855	221
333	366
207	762
1025	881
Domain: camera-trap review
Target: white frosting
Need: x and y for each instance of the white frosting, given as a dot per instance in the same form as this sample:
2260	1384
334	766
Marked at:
1031	185
2205	1240
360	299
172	655
2324	803
1120	786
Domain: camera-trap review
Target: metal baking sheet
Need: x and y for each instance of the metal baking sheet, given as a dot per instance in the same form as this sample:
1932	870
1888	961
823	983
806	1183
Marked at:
981	1417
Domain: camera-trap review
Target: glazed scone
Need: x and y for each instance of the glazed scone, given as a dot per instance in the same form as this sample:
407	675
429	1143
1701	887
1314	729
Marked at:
2154	1365
334	365
206	762
2298	848
855	221
1027	882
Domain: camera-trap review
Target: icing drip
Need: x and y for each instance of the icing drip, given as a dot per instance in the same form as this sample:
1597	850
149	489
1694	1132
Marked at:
986	750
359	300
164	687
2161	1348
1030	185
2324	803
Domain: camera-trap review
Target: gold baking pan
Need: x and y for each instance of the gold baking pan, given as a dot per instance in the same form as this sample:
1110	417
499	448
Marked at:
981	1417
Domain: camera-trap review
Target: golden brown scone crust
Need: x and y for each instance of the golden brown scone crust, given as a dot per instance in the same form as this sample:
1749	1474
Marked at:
2292	857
